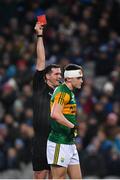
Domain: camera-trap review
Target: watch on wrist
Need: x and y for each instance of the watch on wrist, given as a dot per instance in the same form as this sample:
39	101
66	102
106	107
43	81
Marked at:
39	35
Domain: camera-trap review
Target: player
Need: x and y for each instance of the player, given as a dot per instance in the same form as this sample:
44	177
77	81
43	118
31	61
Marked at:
62	154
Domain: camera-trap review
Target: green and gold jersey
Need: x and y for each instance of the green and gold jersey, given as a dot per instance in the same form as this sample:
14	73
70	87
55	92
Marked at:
59	133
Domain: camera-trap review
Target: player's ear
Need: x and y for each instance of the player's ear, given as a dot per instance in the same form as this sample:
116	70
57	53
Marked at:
68	79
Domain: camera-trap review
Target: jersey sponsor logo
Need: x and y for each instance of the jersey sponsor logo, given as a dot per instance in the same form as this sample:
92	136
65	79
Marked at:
69	109
73	109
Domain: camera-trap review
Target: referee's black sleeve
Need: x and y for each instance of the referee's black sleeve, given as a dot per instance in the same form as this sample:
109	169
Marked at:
38	80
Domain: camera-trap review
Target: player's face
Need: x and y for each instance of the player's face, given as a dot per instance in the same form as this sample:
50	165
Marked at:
77	82
55	76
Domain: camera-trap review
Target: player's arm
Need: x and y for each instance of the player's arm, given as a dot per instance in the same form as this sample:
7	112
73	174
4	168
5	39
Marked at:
40	64
56	114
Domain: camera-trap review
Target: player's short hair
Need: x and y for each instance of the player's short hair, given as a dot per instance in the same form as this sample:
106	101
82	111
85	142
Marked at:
72	67
48	69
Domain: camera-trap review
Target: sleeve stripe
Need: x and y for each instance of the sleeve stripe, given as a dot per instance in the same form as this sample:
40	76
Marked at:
61	98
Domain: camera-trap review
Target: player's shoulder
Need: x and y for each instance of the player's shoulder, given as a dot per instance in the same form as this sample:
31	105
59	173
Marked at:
61	88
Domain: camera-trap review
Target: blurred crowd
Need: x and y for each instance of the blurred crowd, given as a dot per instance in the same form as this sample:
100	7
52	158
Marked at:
85	32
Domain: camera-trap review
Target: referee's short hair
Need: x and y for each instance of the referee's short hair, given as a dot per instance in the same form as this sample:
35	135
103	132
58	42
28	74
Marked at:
48	69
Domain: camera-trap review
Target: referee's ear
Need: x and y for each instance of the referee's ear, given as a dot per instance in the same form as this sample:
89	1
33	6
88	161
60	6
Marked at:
47	76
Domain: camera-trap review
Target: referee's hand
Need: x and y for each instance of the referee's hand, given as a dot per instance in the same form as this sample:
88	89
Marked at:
38	28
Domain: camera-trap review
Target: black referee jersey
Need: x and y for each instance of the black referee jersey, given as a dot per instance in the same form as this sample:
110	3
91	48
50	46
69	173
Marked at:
41	106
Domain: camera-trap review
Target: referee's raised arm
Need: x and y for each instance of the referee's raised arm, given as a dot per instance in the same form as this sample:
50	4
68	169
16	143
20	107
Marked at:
40	64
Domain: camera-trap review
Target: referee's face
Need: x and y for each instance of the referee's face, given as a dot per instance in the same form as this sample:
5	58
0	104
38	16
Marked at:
54	77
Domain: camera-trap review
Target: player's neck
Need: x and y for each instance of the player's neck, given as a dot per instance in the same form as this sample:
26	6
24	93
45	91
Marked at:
69	85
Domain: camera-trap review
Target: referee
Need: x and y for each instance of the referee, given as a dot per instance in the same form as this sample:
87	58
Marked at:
44	82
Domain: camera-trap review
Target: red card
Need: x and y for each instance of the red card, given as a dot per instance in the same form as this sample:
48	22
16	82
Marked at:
42	19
